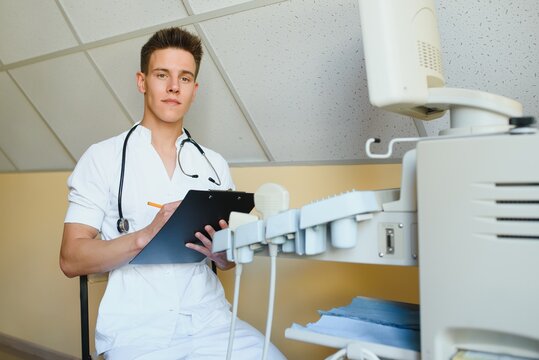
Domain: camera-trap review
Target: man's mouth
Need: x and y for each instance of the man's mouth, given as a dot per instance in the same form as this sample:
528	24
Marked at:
171	101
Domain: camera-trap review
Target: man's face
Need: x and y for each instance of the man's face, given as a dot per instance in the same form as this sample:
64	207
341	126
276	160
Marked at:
169	88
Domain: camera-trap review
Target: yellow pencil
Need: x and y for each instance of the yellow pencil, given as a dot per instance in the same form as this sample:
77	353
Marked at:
155	205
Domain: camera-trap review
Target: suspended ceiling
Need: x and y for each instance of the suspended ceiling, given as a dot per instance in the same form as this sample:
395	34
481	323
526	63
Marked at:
282	82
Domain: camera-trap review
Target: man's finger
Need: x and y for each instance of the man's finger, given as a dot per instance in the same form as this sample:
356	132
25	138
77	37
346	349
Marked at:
207	242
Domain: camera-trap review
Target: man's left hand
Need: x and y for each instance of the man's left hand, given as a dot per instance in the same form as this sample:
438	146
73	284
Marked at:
220	257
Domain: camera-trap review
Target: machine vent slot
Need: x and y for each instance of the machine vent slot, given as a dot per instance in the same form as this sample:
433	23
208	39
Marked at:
516	219
516	202
514	184
514	207
520	237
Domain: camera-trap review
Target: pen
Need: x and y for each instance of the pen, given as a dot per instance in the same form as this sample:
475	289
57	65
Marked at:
155	204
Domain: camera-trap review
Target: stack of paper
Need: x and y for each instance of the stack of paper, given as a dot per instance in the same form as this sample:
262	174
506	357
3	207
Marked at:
372	320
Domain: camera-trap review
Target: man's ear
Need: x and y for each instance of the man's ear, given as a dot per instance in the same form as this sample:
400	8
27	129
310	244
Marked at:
141	84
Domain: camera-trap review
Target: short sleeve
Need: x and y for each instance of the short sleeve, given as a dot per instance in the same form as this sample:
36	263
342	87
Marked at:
89	189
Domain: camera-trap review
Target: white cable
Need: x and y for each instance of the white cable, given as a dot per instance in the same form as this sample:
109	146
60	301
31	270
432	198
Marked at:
273	248
338	355
237	280
366	354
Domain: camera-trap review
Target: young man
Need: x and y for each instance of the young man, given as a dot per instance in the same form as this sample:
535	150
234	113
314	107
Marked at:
169	311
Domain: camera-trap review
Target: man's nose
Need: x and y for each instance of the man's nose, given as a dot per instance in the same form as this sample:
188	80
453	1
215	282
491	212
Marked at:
174	87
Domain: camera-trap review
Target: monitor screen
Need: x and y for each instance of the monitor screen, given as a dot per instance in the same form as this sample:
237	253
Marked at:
402	55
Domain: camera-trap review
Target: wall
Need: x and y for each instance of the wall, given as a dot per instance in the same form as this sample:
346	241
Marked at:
38	304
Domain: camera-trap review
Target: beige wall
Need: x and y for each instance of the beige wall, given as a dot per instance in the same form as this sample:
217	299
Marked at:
40	305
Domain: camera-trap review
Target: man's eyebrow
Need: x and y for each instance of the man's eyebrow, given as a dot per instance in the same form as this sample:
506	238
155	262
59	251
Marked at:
183	72
188	72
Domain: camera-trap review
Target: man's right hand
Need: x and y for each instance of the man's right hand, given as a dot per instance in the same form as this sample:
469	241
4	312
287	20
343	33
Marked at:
158	222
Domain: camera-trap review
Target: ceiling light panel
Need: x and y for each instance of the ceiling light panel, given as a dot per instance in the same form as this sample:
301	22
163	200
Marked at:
77	105
24	137
98	19
30	28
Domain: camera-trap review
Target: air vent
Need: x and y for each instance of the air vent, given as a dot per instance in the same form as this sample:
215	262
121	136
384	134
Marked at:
535	202
515	184
513	206
523	237
429	57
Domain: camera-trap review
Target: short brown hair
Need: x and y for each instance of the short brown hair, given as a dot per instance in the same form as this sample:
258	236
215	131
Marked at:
173	37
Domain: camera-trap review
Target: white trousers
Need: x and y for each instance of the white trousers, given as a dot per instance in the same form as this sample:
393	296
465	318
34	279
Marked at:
208	344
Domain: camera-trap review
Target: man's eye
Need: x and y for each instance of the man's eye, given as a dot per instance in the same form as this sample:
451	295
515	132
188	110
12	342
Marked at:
186	79
161	76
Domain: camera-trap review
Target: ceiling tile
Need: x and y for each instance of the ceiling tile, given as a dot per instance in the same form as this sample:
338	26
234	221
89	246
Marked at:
299	68
74	101
24	137
121	75
200	6
216	121
98	19
5	164
491	48
30	28
214	116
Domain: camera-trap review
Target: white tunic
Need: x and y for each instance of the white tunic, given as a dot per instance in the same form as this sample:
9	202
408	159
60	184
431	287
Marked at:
144	304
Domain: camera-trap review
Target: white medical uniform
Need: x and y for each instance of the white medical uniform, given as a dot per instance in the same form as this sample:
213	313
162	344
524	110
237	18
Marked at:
170	311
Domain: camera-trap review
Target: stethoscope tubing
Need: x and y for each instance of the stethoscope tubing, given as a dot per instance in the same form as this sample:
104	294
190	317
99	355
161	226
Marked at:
123	224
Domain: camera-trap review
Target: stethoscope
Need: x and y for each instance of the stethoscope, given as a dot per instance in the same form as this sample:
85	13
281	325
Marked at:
122	224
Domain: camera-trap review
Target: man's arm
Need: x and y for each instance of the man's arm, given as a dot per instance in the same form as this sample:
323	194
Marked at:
81	253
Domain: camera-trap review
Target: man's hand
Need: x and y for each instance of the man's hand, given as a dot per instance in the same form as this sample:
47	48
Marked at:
82	253
158	222
219	258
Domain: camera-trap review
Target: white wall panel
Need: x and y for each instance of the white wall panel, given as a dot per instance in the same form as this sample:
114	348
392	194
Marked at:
30	28
98	19
25	138
74	101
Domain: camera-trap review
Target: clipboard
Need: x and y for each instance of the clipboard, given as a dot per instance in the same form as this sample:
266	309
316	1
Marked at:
198	209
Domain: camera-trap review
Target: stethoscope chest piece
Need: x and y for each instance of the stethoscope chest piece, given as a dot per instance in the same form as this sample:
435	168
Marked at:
122	225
